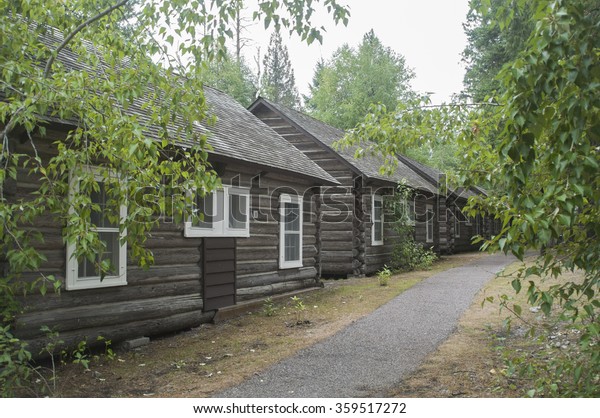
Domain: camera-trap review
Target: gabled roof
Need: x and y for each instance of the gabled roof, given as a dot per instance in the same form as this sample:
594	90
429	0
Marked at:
433	175
240	135
237	134
325	134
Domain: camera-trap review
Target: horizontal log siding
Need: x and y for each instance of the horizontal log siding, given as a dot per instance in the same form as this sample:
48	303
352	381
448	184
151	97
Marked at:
376	256
421	202
337	206
462	243
258	272
167	296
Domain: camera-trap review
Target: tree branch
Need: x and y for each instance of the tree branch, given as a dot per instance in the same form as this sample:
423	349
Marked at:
12	121
76	31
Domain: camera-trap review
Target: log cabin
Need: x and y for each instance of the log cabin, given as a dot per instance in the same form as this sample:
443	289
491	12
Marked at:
357	233
455	228
260	235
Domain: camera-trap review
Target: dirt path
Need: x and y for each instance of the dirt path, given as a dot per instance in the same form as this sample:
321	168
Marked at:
375	353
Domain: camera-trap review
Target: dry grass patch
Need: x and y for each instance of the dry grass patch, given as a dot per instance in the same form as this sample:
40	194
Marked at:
211	358
471	362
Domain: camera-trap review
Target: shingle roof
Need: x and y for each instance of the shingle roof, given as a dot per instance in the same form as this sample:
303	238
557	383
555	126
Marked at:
433	175
368	165
241	135
237	133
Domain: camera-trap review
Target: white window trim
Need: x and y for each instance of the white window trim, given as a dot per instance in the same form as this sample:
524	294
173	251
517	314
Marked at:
407	205
73	281
429	223
283	264
376	198
221	227
456	223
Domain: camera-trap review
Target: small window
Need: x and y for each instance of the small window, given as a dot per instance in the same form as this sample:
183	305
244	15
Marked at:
290	231
408	211
221	213
377	218
478	225
84	273
457	213
429	215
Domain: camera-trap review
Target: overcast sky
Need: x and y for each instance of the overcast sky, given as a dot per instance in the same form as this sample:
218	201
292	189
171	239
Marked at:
428	33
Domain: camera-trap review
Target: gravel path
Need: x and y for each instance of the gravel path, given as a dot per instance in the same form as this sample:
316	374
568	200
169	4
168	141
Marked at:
373	354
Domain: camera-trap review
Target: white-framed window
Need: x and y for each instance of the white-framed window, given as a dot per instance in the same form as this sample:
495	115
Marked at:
84	273
457	213
408	211
290	231
429	215
377	218
220	213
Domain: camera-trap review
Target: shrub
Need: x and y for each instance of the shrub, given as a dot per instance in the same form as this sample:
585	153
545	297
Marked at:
384	276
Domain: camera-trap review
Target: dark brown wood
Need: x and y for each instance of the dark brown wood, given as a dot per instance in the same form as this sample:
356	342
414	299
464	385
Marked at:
219	284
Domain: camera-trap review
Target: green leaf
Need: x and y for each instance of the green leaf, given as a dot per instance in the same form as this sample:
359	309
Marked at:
516	284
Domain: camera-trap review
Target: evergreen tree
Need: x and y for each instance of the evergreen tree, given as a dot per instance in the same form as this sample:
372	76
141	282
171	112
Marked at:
489	47
232	77
346	86
278	82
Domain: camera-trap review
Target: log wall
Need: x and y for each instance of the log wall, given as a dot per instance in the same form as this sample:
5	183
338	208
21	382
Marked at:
337	204
167	296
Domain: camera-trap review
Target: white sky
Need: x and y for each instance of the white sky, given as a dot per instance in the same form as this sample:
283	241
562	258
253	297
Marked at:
428	33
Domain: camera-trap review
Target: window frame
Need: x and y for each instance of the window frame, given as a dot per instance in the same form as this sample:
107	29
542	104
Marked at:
377	198
429	223
72	279
283	263
409	208
456	222
221	227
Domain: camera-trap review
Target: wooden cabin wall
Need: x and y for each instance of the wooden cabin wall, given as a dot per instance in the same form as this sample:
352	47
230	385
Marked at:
462	243
257	256
339	247
167	296
421	202
163	298
376	256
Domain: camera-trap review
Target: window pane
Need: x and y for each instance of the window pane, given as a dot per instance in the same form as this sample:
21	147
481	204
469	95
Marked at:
203	211
291	214
377	211
111	253
292	247
237	211
429	225
378	231
98	217
377	220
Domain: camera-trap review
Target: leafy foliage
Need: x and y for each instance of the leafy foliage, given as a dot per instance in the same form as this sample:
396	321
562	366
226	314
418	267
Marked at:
543	164
344	87
491	46
114	79
407	254
383	276
278	82
232	77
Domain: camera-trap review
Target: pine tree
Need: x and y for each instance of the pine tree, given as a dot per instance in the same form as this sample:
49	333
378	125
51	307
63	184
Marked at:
277	81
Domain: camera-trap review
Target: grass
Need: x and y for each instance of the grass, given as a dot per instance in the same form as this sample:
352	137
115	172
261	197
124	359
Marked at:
471	362
208	359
